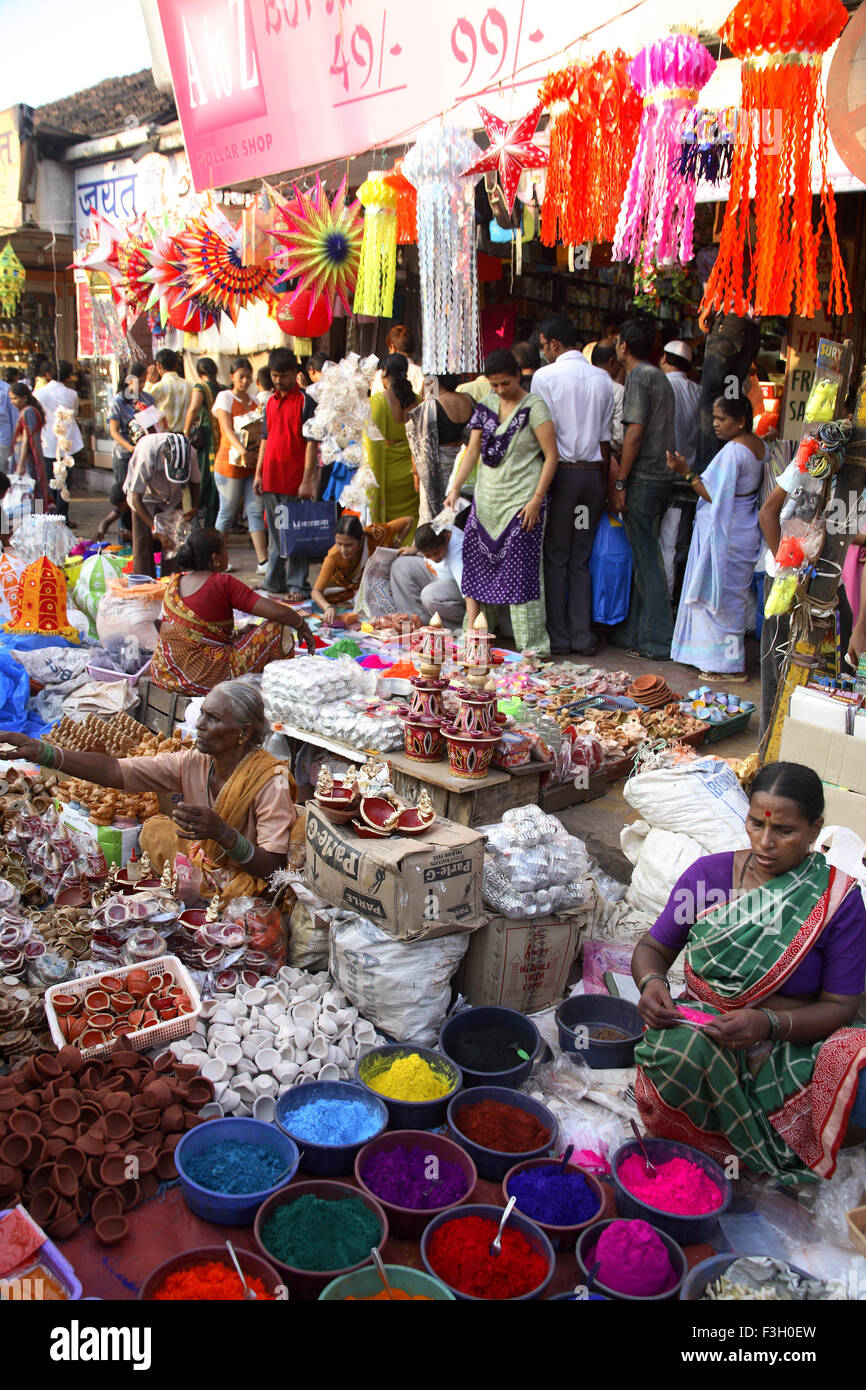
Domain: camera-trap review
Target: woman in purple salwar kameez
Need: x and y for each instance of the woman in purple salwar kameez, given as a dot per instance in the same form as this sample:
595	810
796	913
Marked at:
513	442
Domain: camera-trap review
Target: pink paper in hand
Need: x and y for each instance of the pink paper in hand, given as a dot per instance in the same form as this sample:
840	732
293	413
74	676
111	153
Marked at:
697	1016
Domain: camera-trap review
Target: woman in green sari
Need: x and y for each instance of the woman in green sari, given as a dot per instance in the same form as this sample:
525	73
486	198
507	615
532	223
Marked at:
202	433
390	457
775	954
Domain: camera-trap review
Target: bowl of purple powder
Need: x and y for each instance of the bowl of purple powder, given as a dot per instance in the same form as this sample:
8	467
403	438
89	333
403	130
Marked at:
415	1175
562	1204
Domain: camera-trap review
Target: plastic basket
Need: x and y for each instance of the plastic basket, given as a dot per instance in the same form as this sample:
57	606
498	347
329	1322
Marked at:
735	725
158	1034
101	673
49	1256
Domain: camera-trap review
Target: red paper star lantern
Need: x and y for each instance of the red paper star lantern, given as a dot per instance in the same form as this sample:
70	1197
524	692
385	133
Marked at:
511	150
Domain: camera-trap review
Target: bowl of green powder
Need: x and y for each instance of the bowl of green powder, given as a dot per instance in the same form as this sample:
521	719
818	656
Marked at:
315	1231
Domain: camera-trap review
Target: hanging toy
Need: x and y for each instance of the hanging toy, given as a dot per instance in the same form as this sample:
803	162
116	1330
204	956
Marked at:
512	150
12	276
782	123
322	244
213	256
659	206
707	145
377	269
407	204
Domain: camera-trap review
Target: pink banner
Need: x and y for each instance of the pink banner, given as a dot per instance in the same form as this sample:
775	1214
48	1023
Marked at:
265	86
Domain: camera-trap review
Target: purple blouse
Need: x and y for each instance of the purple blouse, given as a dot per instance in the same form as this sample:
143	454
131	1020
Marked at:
836	963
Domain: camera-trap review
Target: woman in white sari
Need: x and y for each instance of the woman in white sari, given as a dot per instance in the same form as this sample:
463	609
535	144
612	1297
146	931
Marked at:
726	543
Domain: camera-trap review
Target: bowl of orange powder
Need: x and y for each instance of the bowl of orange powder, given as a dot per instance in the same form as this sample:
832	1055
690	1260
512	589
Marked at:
207	1274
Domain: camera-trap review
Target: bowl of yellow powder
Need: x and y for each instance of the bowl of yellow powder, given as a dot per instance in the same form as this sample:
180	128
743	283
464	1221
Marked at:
415	1083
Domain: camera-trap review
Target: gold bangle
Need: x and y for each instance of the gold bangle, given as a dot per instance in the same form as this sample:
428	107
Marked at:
653	975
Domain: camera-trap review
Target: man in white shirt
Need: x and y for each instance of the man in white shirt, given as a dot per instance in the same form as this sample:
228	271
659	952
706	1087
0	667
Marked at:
604	356
580	399
170	392
676	363
58	392
431	581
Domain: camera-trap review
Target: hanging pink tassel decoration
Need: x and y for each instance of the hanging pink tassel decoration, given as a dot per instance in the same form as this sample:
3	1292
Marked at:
658	210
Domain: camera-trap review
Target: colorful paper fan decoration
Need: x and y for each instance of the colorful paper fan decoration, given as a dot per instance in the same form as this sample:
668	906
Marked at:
133	264
658	212
595	114
512	150
170	293
323	242
43	603
377	268
212	250
780	43
12	275
407	204
450	324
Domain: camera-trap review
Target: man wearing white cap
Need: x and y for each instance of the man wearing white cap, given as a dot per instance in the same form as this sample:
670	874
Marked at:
676	362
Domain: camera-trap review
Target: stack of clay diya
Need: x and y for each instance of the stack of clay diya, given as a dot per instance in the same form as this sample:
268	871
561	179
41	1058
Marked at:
477	729
95	1012
211	943
338	799
386	815
651	691
425	716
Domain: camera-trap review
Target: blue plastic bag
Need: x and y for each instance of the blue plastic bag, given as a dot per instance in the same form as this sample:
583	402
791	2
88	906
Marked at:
610	571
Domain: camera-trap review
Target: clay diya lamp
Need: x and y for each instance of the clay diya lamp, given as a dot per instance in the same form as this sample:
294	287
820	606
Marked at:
199	1091
92	1037
72	1157
117	1100
37	1151
366	832
118	1126
130	1191
92	1178
112	984
164	1064
112	1170
226	981
158	1093
166	1168
145	1121
96	1001
65	1110
15	1149
110	1230
70	1059
42	1206
65	1180
64	1003
91	1144
379	813
413	822
43	1176
122	1002
81	1203
106	1203
11	1179
149	1186
145	1159
25	1122
172	1120
65	1226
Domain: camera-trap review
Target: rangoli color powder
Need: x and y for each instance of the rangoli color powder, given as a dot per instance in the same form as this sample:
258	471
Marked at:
634	1260
333	1122
505	1128
678	1186
317	1233
554	1198
235	1168
410	1078
207	1281
401	1176
459	1253
487	1049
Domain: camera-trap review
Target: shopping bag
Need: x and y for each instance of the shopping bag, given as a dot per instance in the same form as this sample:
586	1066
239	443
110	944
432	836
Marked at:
610	571
305	529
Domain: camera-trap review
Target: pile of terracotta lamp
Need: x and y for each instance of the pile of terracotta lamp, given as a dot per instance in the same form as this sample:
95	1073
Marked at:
371	817
114	1005
651	691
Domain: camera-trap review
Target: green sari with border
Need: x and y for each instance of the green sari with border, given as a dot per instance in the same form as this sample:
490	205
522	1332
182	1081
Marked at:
779	1108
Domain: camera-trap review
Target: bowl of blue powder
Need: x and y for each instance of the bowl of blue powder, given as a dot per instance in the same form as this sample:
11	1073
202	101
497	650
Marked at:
562	1203
330	1121
228	1168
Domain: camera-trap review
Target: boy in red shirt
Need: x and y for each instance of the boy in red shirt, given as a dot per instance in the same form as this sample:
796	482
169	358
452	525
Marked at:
280	470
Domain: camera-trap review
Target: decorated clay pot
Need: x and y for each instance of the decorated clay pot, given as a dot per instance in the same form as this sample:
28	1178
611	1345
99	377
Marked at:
469	755
422	738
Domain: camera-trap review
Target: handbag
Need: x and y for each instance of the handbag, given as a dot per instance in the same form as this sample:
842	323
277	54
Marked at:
610	567
305	529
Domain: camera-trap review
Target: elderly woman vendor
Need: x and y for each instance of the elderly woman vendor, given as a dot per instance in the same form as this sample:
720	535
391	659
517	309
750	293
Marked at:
235	813
775	950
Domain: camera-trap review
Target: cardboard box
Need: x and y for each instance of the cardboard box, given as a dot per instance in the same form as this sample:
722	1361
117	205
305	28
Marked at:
845	808
411	887
116	842
837	758
519	965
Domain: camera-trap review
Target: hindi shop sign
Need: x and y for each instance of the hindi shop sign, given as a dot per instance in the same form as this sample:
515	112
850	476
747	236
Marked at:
123	189
264	86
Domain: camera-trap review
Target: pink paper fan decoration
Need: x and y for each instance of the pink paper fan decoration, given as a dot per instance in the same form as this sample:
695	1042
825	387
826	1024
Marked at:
323	242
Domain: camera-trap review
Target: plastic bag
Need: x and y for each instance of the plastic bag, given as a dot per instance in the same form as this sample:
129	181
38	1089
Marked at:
118	617
92	583
662	858
610	569
403	988
374	595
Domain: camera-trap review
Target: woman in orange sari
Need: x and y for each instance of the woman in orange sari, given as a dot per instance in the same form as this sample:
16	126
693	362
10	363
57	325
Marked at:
197	647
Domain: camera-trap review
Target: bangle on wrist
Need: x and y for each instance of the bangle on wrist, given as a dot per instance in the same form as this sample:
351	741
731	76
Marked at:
773	1020
653	975
688	477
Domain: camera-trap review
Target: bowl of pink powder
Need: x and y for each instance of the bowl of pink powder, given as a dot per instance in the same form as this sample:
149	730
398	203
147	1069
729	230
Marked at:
685	1198
638	1262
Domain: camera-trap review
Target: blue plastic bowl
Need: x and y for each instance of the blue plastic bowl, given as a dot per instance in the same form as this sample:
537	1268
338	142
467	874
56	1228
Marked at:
228	1209
469	1020
533	1234
585	1252
686	1230
491	1163
409	1114
585	1011
329	1160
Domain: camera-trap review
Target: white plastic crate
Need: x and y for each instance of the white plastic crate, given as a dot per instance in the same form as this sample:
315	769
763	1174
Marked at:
102	673
158	1034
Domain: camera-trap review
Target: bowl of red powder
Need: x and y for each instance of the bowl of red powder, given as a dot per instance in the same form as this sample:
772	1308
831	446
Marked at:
456	1249
562	1203
639	1262
685	1199
206	1274
415	1175
499	1127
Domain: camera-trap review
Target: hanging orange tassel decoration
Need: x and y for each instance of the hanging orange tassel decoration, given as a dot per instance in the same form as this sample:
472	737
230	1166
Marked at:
595	114
780	43
407	204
